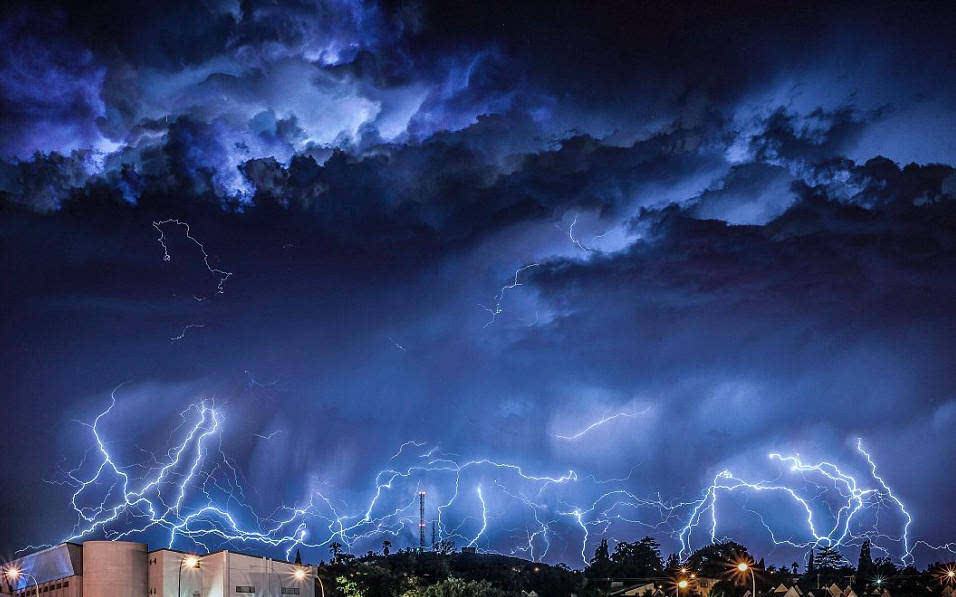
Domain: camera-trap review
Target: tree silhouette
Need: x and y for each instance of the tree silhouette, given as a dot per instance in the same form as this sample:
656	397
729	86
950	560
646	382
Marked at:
715	559
601	565
637	559
829	559
864	569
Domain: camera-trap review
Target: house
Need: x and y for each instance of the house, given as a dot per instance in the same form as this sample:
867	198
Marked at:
639	590
783	590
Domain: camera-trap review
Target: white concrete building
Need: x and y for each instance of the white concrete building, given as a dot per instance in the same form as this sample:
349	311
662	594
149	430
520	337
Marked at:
225	574
125	569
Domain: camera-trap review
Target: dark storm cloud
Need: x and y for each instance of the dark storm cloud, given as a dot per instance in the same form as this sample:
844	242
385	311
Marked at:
711	247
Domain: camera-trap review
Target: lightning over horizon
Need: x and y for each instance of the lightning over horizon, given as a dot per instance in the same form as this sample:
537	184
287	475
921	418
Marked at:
191	493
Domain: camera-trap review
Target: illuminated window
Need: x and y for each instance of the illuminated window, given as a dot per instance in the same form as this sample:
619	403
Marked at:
290	590
245	589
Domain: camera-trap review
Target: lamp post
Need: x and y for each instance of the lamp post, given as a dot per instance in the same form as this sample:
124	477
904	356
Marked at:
189	562
681	584
14	574
743	567
300	574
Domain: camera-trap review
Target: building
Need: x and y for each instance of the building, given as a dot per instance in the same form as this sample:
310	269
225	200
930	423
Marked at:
125	569
224	574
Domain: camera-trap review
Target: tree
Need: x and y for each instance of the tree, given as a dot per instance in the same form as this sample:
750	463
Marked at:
445	547
601	565
864	569
372	580
386	545
637	559
829	559
716	559
456	587
811	565
672	565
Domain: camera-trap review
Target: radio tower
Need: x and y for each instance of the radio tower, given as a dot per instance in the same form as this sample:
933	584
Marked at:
421	521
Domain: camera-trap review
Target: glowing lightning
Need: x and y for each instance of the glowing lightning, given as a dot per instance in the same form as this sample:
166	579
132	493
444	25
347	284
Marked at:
496	311
192	493
222	275
856	498
186	327
600	422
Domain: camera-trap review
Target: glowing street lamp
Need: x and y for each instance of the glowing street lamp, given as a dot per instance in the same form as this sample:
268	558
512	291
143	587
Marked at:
948	576
681	585
300	574
743	568
188	561
13	573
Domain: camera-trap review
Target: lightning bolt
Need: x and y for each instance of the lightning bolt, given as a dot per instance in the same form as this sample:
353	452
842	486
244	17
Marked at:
220	274
856	496
496	310
600	422
192	495
186	328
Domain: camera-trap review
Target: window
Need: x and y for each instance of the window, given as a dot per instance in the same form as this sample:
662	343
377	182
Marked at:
290	590
59	585
245	589
66	584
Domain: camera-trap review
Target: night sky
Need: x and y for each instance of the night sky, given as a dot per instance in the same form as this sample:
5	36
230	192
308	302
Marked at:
643	242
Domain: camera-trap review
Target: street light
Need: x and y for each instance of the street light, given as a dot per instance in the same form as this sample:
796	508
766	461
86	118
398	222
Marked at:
743	567
681	584
189	561
14	573
300	574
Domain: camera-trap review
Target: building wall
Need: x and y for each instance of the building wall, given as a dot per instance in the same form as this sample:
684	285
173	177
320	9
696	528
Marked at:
71	586
220	574
51	566
163	575
114	569
267	577
123	569
215	576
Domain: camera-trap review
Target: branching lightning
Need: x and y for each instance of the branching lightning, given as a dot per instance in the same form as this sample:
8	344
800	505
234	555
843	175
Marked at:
497	310
192	497
855	497
220	274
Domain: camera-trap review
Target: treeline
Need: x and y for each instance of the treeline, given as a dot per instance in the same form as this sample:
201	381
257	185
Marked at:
443	572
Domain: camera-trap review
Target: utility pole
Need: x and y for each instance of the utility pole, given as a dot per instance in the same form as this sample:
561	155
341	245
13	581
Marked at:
421	521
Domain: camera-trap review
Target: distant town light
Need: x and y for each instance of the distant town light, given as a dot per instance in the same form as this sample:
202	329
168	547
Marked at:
743	566
191	561
682	583
299	574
